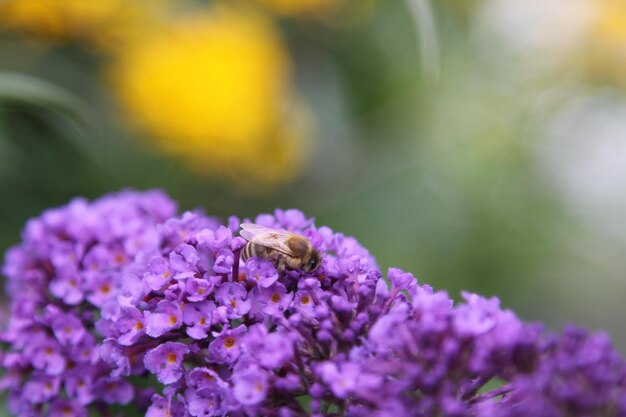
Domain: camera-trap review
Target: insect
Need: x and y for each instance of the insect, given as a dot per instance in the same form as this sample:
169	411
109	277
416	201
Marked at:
287	250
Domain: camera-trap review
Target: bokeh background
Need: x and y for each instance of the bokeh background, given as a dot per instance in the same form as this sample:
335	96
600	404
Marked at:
479	144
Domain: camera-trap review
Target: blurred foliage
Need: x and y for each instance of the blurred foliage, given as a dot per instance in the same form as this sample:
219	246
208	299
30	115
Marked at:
327	106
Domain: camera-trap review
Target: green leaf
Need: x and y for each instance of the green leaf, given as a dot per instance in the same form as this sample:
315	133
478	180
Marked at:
26	89
64	114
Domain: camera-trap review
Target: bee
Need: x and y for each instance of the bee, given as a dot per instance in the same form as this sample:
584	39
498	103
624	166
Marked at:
287	250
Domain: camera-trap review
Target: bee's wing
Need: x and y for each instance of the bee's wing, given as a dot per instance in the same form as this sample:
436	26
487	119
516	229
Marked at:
265	236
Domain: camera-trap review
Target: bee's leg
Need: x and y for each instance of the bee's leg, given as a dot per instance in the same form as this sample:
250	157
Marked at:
274	259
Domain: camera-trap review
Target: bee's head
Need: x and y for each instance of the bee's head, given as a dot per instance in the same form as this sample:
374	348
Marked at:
314	262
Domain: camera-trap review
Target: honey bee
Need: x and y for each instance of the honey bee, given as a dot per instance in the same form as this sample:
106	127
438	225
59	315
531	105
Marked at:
287	250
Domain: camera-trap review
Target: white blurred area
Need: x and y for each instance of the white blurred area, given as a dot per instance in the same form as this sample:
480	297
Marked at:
563	65
541	32
583	151
584	155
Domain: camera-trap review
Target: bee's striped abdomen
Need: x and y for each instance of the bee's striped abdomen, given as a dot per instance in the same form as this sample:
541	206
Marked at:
253	249
246	252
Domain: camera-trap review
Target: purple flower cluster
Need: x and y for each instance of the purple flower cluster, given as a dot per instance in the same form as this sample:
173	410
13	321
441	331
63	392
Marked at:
578	374
226	338
425	357
66	269
216	336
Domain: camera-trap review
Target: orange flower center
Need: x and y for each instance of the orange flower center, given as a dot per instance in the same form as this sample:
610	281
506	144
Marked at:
229	342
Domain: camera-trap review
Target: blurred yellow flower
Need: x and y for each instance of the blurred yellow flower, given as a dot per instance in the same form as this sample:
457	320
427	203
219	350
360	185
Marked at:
605	54
610	22
300	7
214	89
101	22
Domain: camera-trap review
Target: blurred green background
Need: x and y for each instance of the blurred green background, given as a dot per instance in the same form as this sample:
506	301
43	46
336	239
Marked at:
480	145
